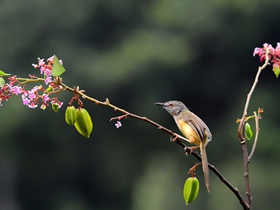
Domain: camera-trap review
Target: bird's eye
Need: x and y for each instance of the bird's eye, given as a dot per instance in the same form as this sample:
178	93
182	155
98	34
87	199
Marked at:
171	105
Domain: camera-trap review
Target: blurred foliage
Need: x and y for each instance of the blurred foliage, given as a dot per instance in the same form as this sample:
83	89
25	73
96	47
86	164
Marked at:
137	52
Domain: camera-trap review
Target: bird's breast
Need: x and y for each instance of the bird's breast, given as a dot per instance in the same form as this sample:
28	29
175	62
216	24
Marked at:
188	131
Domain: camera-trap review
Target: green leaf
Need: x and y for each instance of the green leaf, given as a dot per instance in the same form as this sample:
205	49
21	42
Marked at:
2	82
248	131
3	74
57	69
276	70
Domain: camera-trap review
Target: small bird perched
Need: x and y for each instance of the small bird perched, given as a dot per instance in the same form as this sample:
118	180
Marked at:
193	128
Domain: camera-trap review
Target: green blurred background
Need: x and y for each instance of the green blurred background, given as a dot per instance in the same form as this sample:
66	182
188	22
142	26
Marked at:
137	52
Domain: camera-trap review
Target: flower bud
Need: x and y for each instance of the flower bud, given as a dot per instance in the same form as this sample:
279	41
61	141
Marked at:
191	189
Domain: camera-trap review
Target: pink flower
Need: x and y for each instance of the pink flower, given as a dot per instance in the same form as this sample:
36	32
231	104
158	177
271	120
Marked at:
32	105
48	80
16	90
118	124
45	98
41	62
25	101
50	59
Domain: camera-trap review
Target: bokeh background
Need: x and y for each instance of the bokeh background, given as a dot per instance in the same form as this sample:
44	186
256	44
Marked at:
137	52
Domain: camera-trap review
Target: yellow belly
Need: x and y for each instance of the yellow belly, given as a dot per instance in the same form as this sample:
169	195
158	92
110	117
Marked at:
188	132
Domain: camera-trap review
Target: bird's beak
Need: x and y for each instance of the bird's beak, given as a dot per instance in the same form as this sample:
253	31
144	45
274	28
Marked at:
159	104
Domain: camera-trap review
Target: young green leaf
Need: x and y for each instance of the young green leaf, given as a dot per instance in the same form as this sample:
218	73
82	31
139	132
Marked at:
2	82
57	69
3	74
276	70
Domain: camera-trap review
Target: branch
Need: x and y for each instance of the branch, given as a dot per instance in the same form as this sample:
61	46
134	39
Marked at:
257	117
234	190
175	137
126	113
266	63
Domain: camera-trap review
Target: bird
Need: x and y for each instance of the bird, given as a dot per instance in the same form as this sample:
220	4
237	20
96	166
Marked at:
193	128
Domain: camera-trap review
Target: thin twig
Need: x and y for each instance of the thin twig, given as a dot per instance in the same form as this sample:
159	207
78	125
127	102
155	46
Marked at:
241	133
257	117
241	124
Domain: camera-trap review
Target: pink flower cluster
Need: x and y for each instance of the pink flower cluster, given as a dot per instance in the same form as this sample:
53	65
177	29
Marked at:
31	98
273	53
9	89
46	69
38	94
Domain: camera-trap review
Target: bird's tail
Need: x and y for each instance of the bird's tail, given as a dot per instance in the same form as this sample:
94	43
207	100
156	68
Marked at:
205	164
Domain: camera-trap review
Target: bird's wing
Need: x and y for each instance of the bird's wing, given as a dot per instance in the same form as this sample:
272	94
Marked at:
198	126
